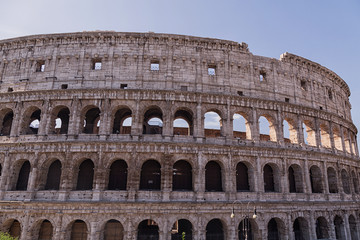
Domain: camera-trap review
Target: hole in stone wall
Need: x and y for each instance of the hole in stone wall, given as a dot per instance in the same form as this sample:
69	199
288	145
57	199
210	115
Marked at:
155	65
96	64
40	66
123	86
211	70
64	86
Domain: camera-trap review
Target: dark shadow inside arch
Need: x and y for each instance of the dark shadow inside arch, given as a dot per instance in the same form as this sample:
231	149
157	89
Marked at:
118	175
113	230
322	229
15	229
53	176
213	179
148	230
34	122
62	121
46	231
273	231
150	178
79	230
242	178
182	176
23	177
269	183
215	230
85	175
153	121
181	230
315	179
120	126
92	121
6	124
245	230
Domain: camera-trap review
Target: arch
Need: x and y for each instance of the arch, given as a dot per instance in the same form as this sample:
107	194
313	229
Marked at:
212	124
148	229
85	175
247	229
242	178
7	123
150	178
353	228
301	229
182	176
309	133
316	179
53	176
355	181
15	229
182	230
215	230
337	139
23	177
322	229
345	181
339	228
153	121
0	170
267	129
295	179
118	175
325	135
60	120
31	121
290	131
275	229
46	230
271	178
113	230
332	180
183	123
79	230
241	126
122	121
92	121
347	140
213	178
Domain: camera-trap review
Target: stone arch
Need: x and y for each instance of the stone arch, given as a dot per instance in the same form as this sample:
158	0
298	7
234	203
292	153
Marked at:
322	228
6	119
353	228
347	140
31	121
301	229
215	230
345	181
23	176
183	122
248	229
90	119
316	179
79	230
290	130
45	230
276	229
59	120
182	229
339	228
118	175
242	177
213	123
295	179
150	176
309	132
267	128
337	138
53	176
122	120
13	227
325	135
271	177
153	120
148	229
355	181
332	180
182	176
241	126
113	230
85	175
213	177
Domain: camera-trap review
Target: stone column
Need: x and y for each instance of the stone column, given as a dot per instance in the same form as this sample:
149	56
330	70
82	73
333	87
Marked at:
347	226
255	131
16	124
307	177
44	119
4	180
300	131
326	182
199	122
312	226
94	233
74	119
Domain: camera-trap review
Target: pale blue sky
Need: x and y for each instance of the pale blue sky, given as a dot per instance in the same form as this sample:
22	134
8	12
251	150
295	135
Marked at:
324	31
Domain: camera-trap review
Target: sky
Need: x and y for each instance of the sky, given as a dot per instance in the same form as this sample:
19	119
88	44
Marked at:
323	31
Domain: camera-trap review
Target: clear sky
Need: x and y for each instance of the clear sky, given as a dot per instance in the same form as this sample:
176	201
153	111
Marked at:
324	31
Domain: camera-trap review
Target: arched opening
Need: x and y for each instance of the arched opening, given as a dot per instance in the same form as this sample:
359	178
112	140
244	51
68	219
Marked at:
309	133
85	175
316	179
332	180
267	129
7	123
15	229
242	178
213	179
339	228
269	182
295	179
212	124
53	176
273	231
347	140
241	127
46	231
92	121
322	231
246	230
148	230
114	230
79	230
62	121
32	123
337	139
290	131
181	230
183	123
153	121
325	136
122	121
355	181
353	228
345	181
182	176
150	178
118	175
0	169
215	230
23	178
301	229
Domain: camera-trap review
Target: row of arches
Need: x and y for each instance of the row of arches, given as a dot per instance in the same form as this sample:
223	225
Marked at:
266	127
183	174
183	229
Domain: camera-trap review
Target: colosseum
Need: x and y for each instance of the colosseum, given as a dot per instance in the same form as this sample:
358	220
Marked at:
109	135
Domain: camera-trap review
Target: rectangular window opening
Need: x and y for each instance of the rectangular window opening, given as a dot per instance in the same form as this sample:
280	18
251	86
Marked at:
303	85
155	66
96	64
64	86
262	76
330	94
10	89
321	108
287	99
123	86
40	66
211	70
240	93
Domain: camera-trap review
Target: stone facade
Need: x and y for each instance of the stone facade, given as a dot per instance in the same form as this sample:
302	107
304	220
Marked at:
54	176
